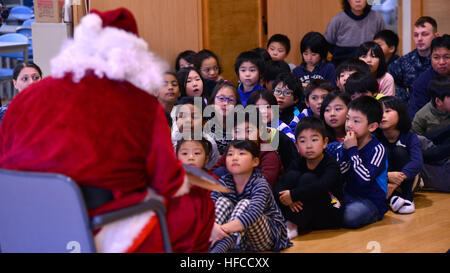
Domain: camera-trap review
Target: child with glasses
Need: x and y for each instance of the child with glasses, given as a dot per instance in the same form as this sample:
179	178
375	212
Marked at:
224	98
288	91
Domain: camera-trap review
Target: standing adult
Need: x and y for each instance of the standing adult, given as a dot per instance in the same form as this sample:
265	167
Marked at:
348	29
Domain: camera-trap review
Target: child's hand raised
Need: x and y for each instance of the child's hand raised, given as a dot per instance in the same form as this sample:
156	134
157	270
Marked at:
350	140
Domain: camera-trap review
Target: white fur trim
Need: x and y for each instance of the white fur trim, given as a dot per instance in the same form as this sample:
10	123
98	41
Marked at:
110	52
119	236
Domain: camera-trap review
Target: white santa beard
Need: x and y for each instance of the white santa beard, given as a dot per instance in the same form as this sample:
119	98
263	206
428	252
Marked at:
109	52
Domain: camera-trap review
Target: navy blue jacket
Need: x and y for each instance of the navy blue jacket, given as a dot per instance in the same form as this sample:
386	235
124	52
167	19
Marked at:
324	70
419	93
411	142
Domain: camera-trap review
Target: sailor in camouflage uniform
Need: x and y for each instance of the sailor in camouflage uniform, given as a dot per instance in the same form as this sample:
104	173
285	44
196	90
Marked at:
407	68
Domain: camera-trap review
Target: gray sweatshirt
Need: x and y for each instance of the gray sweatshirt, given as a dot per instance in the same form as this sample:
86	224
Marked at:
344	31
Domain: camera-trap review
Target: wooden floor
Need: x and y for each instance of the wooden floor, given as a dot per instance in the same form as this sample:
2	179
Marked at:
427	230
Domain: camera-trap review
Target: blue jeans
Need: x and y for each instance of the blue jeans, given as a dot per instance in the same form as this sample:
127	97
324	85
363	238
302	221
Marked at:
358	212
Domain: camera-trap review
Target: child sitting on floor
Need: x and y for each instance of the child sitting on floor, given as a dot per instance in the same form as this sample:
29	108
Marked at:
315	93
247	219
314	50
404	153
362	160
334	114
250	127
362	84
309	192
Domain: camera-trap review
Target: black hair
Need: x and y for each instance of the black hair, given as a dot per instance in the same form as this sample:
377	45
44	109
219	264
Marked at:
273	68
252	57
282	39
439	87
248	117
262	94
389	37
182	77
328	99
292	82
262	52
426	19
312	123
20	66
396	104
441	41
173	74
316	42
189	100
207	146
351	65
318	83
368	106
202	55
377	52
246	145
360	83
221	84
186	55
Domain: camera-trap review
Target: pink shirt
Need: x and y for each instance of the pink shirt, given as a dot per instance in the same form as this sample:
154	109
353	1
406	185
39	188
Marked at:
386	85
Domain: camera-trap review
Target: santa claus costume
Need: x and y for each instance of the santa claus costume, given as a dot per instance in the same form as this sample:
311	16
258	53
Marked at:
95	120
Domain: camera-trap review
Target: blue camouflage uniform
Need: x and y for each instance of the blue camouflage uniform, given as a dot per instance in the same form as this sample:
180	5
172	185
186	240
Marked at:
405	70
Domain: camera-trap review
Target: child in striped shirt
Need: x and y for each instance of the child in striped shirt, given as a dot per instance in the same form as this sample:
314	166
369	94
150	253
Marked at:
363	163
247	219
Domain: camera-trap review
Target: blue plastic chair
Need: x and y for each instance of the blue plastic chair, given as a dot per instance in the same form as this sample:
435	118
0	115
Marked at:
20	13
27	23
46	213
13	37
26	31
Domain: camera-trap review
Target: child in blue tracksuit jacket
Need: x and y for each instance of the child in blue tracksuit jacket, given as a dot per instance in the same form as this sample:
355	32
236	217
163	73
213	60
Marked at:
363	163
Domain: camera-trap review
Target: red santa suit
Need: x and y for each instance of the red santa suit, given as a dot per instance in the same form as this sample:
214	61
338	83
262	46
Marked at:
96	120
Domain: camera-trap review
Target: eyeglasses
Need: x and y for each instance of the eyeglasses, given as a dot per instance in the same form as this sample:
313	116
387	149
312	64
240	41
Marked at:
226	99
207	69
284	92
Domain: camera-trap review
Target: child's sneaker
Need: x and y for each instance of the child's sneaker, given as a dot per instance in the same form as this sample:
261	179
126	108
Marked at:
396	203
407	208
292	231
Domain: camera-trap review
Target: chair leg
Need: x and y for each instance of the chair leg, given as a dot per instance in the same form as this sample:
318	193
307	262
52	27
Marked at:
164	231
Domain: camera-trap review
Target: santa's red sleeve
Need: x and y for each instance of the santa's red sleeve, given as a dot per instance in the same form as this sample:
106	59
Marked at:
167	175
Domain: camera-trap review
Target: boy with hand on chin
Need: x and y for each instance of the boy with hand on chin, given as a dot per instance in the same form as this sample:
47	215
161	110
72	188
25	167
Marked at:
363	163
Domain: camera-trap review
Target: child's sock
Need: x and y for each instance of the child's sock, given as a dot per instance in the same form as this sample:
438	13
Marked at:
292	230
407	208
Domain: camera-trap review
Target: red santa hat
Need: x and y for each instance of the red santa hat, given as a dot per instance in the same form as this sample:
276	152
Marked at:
108	43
